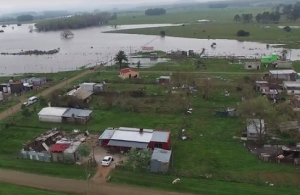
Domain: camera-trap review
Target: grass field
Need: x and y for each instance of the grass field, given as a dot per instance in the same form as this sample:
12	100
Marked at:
222	27
9	189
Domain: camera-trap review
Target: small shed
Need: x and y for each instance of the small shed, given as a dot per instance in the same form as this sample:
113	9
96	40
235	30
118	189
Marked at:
78	116
252	65
57	151
99	87
283	64
129	73
39	81
52	114
16	87
286	75
88	86
160	160
164	79
83	94
71	154
260	85
292	87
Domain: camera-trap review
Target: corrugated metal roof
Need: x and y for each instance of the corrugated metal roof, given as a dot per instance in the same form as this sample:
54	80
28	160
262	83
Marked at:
52	111
291	83
107	134
160	136
60	147
128	144
161	155
77	113
82	94
134	136
72	148
282	71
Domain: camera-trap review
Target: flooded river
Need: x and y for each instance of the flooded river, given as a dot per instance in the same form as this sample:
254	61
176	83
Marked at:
91	45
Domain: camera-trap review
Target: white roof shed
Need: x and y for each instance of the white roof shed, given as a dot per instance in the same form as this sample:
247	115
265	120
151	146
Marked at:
278	72
52	114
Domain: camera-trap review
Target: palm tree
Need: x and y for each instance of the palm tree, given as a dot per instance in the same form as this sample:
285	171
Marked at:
120	57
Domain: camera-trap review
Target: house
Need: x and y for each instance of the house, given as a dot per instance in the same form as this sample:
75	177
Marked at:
39	81
270	93
160	160
78	116
164	79
66	115
38	148
71	154
57	151
4	87
288	126
129	73
291	87
82	94
283	64
252	65
260	85
125	138
285	75
255	128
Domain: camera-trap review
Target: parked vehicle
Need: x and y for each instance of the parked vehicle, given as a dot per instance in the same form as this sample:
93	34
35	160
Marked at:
107	160
30	101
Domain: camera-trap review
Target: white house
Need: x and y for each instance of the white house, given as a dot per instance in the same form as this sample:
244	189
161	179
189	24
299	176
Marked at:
52	114
255	128
291	87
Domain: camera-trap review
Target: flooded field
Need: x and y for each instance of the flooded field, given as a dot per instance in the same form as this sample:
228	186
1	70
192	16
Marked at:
91	45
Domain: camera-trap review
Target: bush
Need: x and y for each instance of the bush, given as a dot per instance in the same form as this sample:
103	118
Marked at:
162	33
242	33
287	29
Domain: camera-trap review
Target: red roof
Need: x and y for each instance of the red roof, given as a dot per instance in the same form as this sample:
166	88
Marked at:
127	70
60	147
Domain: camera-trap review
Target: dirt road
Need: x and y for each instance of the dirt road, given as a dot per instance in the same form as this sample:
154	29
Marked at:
14	109
74	186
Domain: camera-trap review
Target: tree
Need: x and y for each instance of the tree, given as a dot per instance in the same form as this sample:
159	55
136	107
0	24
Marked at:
138	159
237	18
259	111
25	112
83	151
242	33
247	18
205	86
138	65
42	101
258	17
25	18
120	57
67	34
155	12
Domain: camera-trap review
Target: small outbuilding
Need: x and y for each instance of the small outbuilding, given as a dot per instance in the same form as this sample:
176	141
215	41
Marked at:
160	160
71	153
283	64
129	73
285	75
52	114
57	151
88	86
83	94
252	65
291	87
261	85
164	79
78	116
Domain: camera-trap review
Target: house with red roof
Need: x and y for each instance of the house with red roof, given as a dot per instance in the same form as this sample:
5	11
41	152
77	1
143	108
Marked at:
129	73
57	151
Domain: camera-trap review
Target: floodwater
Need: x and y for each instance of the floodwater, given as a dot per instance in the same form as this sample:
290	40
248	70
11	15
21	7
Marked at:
145	62
91	45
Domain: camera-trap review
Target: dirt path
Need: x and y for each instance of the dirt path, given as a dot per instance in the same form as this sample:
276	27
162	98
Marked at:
74	186
16	108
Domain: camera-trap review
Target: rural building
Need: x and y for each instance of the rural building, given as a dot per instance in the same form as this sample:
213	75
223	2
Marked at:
291	87
59	115
125	138
260	85
57	151
255	128
82	94
88	86
252	65
39	81
38	148
164	79
285	75
99	87
16	88
71	154
160	160
4	87
78	116
283	64
1	96
129	73
270	93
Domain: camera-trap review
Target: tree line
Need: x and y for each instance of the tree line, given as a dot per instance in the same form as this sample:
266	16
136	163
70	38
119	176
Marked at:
155	12
218	5
74	22
291	12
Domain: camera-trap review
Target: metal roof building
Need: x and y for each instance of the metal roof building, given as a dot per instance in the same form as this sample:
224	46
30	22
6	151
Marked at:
160	160
51	114
160	136
72	112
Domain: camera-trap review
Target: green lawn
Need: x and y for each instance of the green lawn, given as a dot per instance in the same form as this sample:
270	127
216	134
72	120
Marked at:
9	189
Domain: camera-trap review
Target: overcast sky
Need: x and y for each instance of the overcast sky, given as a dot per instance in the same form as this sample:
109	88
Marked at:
38	5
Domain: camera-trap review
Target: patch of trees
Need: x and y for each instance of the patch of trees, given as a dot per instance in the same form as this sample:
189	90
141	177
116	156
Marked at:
74	22
245	18
25	18
218	5
155	12
242	33
292	12
33	52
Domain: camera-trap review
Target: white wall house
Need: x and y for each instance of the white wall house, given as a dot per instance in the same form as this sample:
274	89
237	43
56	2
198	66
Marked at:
291	87
52	114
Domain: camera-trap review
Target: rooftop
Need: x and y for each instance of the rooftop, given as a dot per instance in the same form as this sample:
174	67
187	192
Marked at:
91	84
160	136
60	147
82	94
107	134
291	83
282	72
165	77
77	113
73	147
161	155
127	70
53	111
261	82
132	135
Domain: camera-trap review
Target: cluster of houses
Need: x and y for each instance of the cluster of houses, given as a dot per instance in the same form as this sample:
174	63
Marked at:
125	138
53	146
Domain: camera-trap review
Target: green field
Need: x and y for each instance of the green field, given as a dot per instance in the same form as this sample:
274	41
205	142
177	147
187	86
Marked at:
222	27
9	189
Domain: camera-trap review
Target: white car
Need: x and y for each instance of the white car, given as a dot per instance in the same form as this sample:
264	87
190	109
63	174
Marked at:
30	101
107	160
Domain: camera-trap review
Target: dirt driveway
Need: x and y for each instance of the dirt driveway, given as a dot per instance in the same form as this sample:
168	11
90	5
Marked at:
14	109
74	186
